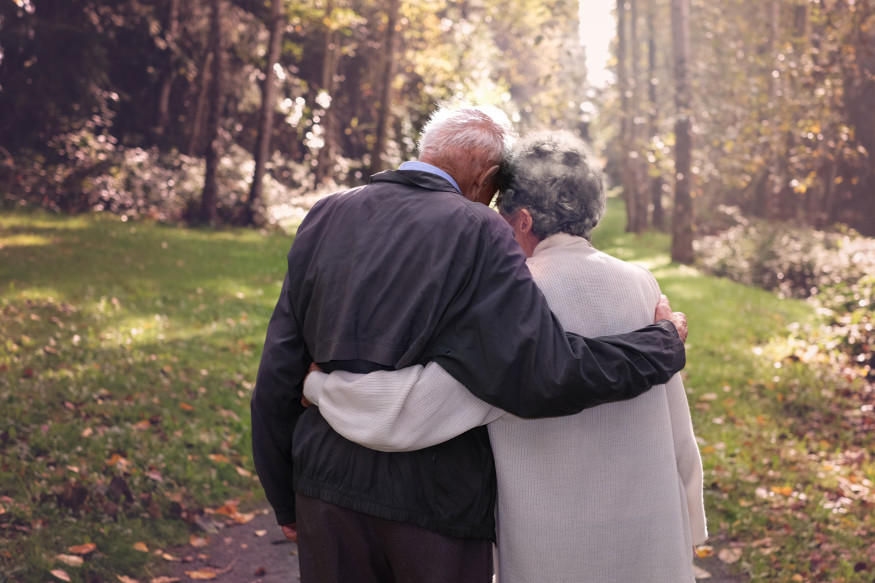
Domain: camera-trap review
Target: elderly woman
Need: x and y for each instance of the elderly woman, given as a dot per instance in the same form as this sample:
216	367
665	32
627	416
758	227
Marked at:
612	494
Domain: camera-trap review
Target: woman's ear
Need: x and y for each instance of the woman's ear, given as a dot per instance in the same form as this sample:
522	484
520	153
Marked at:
525	221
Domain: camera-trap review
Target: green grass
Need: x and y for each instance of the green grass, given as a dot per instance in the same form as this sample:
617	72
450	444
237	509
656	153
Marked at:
129	352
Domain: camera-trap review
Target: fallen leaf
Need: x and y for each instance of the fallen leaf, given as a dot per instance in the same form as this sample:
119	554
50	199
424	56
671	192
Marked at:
219	458
186	407
83	549
198	541
701	573
117	460
210	572
260	572
202	574
227	509
141	546
70	560
87	432
260	533
243	518
142	425
729	556
165	580
60	574
782	490
125	579
243	472
169	557
704	551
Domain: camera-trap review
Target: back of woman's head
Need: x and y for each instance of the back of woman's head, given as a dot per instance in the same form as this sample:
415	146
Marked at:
456	136
554	176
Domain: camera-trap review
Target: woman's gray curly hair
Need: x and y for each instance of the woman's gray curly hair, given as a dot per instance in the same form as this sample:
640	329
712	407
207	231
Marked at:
554	176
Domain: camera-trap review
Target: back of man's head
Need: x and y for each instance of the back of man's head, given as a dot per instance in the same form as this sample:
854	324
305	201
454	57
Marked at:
462	138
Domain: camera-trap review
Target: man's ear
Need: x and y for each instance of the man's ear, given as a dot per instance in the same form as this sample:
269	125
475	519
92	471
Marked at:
488	174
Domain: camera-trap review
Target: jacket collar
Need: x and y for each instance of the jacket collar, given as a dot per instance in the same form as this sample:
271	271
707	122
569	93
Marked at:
425	180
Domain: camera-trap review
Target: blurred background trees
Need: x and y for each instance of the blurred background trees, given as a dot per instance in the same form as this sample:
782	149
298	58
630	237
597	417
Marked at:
225	110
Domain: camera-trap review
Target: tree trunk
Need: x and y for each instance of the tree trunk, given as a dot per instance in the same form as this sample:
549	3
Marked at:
777	141
253	213
329	69
637	174
625	115
209	212
682	222
170	75
386	92
200	111
656	184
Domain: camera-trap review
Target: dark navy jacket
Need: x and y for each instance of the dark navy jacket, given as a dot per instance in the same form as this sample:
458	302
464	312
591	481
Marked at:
404	271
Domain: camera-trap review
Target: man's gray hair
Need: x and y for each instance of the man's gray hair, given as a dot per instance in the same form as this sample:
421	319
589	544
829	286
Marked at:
467	130
554	176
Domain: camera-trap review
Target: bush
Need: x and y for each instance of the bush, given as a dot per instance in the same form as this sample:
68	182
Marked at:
91	172
833	270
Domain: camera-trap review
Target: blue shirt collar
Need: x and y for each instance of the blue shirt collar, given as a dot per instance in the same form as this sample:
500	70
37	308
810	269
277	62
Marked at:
425	167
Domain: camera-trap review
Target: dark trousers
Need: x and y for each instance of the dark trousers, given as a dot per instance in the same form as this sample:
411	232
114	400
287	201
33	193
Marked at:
336	545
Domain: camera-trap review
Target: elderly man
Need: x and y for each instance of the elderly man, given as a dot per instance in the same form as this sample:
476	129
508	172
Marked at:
406	270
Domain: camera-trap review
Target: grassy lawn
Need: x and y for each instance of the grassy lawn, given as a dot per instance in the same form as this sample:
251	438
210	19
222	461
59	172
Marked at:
128	356
129	351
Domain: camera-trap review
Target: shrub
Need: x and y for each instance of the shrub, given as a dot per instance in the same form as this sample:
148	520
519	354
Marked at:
91	172
833	270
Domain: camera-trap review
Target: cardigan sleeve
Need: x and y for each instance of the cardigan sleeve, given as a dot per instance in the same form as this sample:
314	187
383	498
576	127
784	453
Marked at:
403	410
689	462
687	457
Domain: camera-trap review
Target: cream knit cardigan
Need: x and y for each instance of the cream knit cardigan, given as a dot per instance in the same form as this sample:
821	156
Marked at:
610	495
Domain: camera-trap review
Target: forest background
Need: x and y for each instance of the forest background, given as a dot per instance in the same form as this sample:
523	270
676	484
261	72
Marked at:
743	129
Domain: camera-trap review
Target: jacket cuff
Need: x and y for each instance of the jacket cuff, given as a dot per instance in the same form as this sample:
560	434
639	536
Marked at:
676	345
285	517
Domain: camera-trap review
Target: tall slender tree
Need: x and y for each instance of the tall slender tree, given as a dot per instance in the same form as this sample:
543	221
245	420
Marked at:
625	117
656	182
636	174
384	105
682	222
171	31
251	213
330	61
209	212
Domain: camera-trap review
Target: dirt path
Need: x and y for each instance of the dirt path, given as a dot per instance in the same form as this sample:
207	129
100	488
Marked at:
257	552
241	553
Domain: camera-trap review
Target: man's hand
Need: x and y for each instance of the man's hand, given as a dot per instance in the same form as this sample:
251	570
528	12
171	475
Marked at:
291	531
663	312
